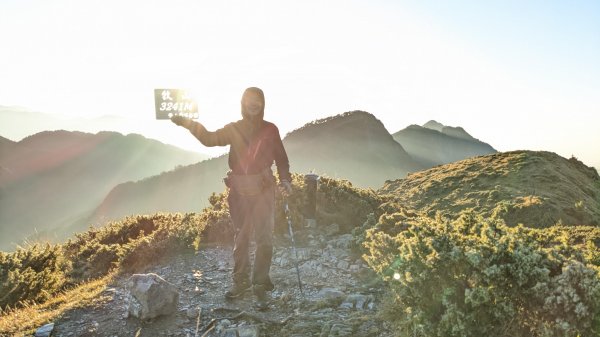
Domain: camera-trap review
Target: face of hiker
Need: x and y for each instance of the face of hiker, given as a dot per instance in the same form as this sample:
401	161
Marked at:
253	103
252	107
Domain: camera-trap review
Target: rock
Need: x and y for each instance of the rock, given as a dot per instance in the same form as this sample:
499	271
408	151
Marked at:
308	268
222	266
343	241
248	331
338	253
304	327
303	254
223	326
357	301
340	329
192	312
151	296
330	293
346	305
343	265
360	301
45	331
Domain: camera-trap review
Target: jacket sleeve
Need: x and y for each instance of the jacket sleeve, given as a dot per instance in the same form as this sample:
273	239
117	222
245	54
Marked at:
220	137
281	158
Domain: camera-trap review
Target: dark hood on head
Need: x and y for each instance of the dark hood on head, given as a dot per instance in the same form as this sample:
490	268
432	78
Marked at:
254	93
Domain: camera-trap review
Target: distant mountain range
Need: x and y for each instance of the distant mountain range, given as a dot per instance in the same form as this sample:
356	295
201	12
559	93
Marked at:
435	144
354	145
77	179
17	123
31	122
49	179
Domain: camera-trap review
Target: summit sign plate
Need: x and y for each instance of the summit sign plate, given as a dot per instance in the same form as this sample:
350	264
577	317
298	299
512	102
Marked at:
174	102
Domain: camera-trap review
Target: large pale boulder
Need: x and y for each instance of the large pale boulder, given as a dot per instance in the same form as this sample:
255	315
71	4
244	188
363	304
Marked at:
151	296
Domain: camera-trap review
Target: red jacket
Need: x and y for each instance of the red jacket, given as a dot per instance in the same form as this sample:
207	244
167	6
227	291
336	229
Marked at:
254	145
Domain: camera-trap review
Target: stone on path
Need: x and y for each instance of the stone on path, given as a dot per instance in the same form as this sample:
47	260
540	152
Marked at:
357	301
242	331
330	293
45	331
151	296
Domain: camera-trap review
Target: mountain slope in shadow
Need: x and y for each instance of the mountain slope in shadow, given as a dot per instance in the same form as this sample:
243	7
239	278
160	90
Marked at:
354	145
435	144
50	178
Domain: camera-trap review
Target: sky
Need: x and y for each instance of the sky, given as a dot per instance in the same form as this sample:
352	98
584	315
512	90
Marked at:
515	74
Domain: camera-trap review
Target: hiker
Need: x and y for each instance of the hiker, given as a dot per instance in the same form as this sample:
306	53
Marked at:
254	145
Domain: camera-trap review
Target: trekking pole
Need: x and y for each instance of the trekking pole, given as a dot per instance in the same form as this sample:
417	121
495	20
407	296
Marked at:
289	220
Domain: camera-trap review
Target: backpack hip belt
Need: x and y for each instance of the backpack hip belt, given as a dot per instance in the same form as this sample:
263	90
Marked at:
249	184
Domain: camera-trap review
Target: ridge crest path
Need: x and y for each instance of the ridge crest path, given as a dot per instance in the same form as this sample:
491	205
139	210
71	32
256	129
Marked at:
341	295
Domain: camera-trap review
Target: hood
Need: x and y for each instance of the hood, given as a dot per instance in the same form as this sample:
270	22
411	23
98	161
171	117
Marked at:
257	95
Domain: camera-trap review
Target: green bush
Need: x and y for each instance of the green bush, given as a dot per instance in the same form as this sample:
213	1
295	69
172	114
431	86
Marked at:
39	272
32	274
132	243
476	277
348	206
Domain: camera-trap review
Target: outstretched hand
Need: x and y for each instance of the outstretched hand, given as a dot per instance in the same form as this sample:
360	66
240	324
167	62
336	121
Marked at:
180	120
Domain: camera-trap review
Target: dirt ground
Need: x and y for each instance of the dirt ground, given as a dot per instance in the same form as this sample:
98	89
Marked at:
340	296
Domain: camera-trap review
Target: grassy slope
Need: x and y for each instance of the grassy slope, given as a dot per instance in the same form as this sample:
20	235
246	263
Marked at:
533	188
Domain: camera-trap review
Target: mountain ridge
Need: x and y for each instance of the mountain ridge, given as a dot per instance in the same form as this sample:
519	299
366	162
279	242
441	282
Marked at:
55	176
310	147
437	144
535	188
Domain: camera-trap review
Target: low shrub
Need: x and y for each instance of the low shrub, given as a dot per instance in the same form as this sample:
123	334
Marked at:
479	277
32	274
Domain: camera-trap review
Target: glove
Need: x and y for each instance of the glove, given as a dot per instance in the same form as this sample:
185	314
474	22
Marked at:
180	120
285	187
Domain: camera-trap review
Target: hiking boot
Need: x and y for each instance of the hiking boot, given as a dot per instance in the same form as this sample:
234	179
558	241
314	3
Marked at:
262	301
238	289
269	286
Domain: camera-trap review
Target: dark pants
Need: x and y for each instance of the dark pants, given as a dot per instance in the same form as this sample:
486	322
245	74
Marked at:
253	214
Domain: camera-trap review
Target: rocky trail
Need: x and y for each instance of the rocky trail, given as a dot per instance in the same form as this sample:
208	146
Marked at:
340	296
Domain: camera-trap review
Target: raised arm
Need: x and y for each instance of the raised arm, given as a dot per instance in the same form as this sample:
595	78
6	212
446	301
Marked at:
220	137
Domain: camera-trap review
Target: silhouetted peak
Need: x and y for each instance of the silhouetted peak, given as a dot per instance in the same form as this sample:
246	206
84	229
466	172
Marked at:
457	132
453	131
356	119
434	125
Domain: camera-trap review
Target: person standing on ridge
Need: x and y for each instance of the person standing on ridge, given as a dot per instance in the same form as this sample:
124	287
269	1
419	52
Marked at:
254	145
